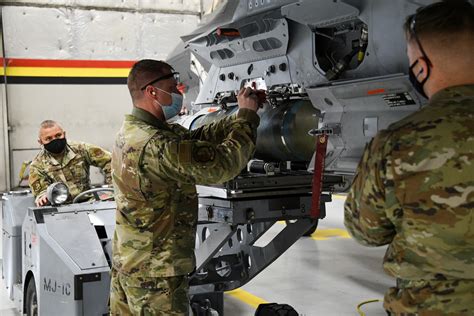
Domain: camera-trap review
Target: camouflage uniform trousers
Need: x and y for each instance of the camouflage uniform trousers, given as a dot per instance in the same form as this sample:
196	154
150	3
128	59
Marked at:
148	296
431	298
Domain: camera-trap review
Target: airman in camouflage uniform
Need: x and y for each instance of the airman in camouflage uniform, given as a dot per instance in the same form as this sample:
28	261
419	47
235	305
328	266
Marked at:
414	187
69	165
155	166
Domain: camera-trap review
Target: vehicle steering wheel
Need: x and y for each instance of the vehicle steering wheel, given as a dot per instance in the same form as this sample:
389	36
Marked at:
94	192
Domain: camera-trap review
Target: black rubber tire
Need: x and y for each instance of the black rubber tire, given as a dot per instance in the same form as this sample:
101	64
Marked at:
31	299
312	229
274	309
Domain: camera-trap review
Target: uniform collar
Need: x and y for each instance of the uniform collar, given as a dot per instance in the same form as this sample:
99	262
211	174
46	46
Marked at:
149	118
453	92
68	155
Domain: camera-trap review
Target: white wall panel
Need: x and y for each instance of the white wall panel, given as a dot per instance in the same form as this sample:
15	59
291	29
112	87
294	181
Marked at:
187	5
91	34
50	2
173	5
4	149
160	33
106	3
37	32
4	153
91	113
105	35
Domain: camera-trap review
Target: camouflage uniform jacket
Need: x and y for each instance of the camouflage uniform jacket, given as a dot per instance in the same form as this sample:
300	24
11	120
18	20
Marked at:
414	190
72	169
155	166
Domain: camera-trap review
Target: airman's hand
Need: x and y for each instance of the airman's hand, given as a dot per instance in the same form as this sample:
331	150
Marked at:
247	99
41	200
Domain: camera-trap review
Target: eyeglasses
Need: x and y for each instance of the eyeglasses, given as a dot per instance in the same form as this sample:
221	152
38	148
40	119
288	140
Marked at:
174	75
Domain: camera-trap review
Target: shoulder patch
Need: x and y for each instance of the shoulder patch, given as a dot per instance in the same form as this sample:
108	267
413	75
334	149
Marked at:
97	152
203	153
36	185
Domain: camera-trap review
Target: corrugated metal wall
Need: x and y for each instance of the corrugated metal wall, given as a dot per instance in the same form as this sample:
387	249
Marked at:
79	30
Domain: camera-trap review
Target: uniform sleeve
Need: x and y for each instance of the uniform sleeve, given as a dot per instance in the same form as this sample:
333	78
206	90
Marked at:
206	162
38	181
365	210
216	131
100	158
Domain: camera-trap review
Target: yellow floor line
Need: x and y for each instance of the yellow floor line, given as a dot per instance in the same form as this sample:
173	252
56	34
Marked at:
246	297
325	233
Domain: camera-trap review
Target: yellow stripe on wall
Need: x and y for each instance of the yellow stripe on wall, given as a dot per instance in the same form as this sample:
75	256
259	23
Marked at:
66	72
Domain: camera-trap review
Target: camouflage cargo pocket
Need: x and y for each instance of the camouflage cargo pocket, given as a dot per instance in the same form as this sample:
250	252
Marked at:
157	296
134	239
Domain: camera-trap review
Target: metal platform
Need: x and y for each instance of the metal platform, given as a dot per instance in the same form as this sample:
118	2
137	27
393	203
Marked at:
235	215
253	185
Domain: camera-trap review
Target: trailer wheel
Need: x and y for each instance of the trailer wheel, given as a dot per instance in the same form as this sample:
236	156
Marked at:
312	229
274	309
31	299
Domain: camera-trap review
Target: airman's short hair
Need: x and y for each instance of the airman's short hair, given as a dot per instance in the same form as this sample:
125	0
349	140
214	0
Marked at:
143	72
441	21
47	124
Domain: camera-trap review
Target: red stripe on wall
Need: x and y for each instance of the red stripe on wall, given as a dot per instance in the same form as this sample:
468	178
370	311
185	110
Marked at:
67	63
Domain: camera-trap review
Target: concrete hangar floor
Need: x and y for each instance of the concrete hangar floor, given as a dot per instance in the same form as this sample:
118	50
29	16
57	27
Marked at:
325	274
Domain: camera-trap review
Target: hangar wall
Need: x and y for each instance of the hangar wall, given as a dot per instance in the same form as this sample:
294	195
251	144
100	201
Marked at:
4	153
68	61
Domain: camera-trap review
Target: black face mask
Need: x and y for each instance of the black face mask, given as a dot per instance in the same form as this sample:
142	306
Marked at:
416	84
56	146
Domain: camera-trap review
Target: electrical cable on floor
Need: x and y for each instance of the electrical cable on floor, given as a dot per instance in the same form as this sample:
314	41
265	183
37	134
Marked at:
361	313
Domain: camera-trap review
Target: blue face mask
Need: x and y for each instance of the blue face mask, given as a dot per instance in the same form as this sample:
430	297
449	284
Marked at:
174	108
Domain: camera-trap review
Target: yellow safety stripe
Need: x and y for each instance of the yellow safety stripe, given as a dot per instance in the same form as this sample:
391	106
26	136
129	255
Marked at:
65	72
